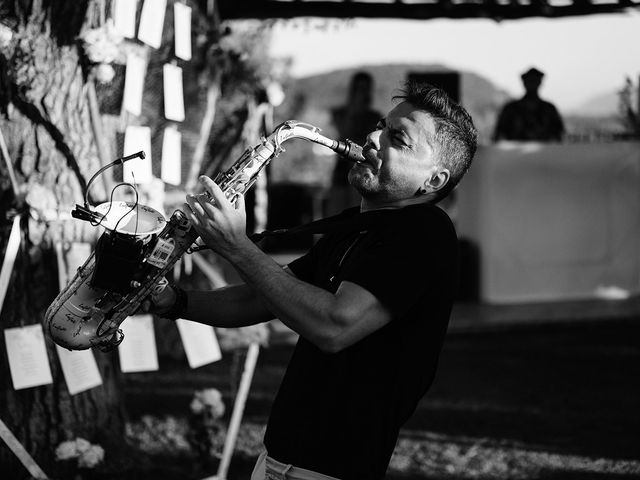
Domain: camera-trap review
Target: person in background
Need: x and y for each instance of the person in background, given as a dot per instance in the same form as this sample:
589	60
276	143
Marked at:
353	120
530	118
370	301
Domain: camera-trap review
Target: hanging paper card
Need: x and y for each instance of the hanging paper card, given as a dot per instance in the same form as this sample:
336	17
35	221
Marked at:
200	343
171	156
70	261
138	349
151	22
63	279
134	84
79	369
182	30
124	17
173	97
75	257
138	170
27	355
13	245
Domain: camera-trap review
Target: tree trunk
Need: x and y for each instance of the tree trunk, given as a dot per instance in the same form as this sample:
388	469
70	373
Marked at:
47	128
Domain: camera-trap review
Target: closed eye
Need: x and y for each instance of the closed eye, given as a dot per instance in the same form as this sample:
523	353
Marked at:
397	136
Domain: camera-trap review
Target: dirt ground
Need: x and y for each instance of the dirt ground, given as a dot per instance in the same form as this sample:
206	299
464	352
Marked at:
541	400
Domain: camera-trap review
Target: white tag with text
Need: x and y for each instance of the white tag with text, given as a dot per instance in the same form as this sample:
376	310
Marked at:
152	22
161	252
173	93
182	30
138	351
75	257
27	353
171	156
134	84
124	17
80	369
138	170
200	343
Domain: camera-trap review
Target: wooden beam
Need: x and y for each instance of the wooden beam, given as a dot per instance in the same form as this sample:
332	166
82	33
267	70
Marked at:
264	9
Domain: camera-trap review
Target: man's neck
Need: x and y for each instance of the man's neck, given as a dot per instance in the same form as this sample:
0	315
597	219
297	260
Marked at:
367	205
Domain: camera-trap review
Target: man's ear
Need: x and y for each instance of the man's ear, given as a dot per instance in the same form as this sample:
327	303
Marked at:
437	180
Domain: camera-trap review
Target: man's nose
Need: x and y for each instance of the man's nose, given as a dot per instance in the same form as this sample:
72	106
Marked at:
373	139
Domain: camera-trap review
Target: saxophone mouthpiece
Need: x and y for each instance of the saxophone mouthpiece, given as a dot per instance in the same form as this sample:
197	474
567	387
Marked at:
349	150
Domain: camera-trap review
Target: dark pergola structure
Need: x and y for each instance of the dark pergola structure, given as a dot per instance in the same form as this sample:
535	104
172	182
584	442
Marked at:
420	9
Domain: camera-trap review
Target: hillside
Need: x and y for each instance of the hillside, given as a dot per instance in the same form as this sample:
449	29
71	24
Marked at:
323	91
310	98
605	104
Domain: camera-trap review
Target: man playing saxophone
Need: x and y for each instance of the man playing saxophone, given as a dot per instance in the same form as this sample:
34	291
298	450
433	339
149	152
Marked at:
371	299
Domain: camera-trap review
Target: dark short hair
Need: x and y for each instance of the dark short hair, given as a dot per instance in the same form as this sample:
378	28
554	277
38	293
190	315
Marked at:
456	136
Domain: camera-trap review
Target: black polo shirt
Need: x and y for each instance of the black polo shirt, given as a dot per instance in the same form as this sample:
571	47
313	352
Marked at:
339	414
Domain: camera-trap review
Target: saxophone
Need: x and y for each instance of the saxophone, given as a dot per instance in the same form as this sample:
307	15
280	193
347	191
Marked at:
89	311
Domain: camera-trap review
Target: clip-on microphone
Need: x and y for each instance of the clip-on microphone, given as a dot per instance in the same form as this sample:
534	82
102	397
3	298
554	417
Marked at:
84	212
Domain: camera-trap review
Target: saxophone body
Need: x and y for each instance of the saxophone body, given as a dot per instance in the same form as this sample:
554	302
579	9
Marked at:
89	310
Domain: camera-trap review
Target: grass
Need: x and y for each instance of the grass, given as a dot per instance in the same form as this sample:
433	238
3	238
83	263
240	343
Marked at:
541	401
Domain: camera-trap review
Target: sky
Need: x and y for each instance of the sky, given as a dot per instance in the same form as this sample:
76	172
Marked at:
582	57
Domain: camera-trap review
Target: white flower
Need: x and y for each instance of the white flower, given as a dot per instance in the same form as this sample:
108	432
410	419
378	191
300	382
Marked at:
209	398
196	405
66	450
92	457
104	73
102	45
275	94
82	445
88	455
212	398
6	34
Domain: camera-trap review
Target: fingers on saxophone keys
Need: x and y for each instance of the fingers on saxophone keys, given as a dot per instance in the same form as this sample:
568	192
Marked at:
207	203
195	205
191	211
218	198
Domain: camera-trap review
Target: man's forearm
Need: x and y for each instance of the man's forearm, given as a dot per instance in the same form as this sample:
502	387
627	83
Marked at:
229	307
303	307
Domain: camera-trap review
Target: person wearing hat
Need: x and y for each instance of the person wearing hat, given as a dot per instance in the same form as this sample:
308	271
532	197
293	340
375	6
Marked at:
530	118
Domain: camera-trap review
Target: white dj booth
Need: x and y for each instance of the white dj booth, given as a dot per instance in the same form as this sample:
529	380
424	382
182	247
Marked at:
553	221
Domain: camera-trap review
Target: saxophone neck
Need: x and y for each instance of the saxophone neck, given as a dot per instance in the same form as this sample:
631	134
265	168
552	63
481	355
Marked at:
243	173
295	129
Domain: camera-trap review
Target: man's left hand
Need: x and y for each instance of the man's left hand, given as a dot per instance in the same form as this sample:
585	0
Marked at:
221	224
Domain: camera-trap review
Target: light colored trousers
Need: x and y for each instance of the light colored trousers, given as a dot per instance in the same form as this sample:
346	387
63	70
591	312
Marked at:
269	469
